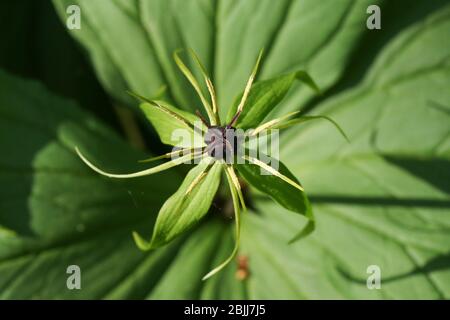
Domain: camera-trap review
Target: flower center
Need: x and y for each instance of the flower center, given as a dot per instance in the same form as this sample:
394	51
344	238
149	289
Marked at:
223	143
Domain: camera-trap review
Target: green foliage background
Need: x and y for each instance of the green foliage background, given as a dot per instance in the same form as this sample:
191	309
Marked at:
383	199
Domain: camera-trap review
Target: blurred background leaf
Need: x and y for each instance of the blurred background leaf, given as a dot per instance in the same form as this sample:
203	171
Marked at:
57	211
36	46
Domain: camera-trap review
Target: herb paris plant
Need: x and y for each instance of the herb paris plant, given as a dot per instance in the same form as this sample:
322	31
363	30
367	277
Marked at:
220	144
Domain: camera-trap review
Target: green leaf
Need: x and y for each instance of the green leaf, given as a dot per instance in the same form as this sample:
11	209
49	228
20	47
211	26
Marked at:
264	96
186	207
224	285
286	194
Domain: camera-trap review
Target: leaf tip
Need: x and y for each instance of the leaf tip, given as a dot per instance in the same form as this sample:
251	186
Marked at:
160	92
134	95
258	60
206	277
141	243
307	230
261	53
304	77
